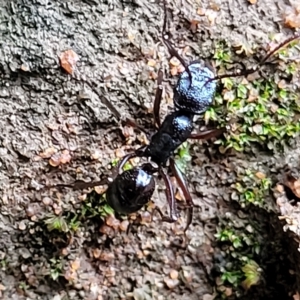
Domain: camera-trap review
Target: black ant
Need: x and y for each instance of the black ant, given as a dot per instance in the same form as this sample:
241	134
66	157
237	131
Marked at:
130	190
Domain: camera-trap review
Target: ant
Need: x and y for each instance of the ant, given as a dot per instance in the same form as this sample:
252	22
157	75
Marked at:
128	191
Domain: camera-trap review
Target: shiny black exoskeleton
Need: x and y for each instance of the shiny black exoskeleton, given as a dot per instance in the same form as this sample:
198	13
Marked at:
193	94
130	190
175	129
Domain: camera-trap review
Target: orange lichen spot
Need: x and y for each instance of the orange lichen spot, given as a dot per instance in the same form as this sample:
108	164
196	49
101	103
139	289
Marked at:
68	60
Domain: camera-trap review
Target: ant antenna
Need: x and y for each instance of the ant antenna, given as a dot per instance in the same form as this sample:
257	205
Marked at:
171	49
259	65
282	44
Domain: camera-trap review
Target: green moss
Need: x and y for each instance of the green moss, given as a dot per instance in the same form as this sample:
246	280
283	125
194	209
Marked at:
241	249
56	223
252	274
95	206
23	286
222	54
56	268
242	239
261	111
250	189
183	156
232	277
64	223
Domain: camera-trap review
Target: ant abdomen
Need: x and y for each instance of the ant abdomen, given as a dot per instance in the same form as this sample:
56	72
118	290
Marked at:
194	92
130	191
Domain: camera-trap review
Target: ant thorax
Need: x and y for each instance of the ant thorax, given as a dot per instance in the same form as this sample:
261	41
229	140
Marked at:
175	129
194	92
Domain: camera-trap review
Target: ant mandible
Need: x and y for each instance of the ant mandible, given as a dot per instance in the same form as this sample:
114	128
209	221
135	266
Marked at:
128	191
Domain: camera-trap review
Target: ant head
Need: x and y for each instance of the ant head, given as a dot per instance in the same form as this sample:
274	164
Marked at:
195	93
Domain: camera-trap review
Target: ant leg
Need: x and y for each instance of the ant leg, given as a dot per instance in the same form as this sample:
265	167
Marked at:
115	112
170	198
77	185
157	99
169	46
105	101
80	184
137	153
156	108
182	184
133	124
122	163
207	134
